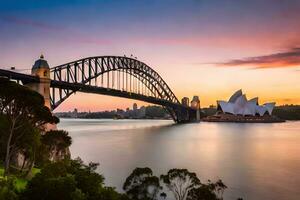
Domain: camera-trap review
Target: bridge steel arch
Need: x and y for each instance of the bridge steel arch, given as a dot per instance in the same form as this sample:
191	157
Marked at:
115	76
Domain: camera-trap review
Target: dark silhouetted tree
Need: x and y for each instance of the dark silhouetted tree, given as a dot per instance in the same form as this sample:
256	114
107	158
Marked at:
209	191
57	143
220	187
141	184
180	182
163	195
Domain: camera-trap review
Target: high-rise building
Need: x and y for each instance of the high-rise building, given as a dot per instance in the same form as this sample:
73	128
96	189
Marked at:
195	103
185	101
134	107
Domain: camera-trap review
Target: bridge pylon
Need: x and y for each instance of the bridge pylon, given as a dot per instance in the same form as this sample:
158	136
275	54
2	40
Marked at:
41	70
195	104
193	113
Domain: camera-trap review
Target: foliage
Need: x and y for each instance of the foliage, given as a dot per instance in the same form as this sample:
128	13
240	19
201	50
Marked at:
180	182
209	191
21	111
28	145
57	138
155	112
219	188
1	171
19	182
54	147
287	112
141	184
72	179
208	111
183	184
69	180
7	189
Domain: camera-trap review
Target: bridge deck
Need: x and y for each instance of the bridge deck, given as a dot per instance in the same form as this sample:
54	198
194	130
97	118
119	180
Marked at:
112	92
25	78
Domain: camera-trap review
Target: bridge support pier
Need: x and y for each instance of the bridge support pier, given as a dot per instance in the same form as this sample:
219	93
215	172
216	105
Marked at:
189	115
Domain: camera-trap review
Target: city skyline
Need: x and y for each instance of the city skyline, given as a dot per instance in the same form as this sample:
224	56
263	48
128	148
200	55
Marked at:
204	48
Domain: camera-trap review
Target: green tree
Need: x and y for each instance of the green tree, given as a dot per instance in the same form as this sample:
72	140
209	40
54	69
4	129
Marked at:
4	126
204	192
209	191
180	182
19	108
141	184
57	143
28	145
69	180
155	112
220	187
88	180
7	189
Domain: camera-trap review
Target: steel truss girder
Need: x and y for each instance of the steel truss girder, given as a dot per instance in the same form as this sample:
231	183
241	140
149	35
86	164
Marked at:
86	70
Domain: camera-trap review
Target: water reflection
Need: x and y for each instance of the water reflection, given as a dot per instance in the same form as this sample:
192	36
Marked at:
257	161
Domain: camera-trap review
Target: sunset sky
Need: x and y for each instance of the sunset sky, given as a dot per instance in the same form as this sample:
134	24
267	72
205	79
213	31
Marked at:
209	48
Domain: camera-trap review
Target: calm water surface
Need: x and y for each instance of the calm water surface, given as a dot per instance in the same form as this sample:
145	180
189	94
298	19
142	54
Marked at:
256	161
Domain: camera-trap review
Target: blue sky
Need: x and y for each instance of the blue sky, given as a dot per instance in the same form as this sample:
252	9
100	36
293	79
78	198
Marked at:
197	38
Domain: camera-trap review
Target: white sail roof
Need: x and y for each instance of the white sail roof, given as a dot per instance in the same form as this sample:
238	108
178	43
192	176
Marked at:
239	105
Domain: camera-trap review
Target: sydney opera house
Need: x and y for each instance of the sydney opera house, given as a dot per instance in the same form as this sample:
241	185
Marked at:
239	109
239	105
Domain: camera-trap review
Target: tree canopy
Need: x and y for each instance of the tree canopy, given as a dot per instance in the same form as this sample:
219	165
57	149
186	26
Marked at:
22	111
141	184
180	182
69	180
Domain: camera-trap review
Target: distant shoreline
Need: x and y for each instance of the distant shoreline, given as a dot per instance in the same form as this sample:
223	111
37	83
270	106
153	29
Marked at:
116	119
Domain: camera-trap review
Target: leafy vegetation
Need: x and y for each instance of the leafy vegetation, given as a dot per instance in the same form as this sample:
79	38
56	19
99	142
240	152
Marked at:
19	182
7	189
155	112
22	132
22	116
141	184
69	179
287	112
180	182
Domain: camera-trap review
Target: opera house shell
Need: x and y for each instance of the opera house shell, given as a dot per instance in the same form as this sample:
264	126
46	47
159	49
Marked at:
239	105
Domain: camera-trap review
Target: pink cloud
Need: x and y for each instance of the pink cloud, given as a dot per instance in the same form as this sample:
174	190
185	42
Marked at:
289	58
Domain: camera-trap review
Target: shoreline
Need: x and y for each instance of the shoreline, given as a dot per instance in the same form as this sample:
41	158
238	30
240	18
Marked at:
243	119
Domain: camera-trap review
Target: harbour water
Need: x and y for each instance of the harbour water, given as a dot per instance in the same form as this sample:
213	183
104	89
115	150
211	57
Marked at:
256	161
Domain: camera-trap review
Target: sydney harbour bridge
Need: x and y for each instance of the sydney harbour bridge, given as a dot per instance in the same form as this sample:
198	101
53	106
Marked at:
118	76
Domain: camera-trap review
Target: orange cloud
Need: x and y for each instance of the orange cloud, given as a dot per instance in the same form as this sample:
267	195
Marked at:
290	58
